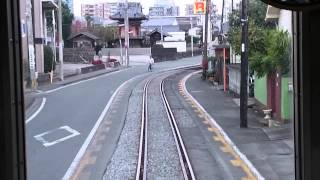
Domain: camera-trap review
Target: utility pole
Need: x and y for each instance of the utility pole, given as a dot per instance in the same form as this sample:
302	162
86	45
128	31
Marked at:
222	16
191	26
205	44
161	28
231	5
53	44
60	41
30	37
244	66
126	32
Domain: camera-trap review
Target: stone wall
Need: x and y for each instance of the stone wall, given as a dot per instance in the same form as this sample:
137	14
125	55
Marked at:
78	55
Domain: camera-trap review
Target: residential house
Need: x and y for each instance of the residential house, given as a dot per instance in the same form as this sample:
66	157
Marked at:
276	91
83	40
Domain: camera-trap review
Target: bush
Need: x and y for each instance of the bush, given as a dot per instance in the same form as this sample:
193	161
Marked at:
49	63
97	62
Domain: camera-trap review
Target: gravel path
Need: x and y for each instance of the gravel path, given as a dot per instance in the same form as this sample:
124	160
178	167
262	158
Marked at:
124	161
163	160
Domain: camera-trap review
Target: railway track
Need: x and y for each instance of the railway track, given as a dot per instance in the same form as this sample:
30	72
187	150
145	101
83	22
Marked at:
186	167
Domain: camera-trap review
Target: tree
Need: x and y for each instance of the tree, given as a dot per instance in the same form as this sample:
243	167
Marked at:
106	34
276	54
89	20
256	17
67	18
49	63
268	46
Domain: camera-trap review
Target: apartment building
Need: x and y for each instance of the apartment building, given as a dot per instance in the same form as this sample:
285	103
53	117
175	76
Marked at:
100	10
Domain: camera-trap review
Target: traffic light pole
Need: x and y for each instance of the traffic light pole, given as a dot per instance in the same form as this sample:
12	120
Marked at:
205	44
244	66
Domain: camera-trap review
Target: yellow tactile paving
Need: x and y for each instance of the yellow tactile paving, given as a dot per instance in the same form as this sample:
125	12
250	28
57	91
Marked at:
225	147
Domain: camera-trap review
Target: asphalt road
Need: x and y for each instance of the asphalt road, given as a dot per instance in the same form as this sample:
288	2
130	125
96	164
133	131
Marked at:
57	132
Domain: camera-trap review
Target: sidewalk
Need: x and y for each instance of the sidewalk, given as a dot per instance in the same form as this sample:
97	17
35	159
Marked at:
30	95
270	150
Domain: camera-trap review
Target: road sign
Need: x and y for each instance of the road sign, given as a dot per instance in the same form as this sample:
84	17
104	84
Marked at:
199	7
32	63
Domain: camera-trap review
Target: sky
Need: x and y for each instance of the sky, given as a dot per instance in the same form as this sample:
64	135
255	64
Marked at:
145	4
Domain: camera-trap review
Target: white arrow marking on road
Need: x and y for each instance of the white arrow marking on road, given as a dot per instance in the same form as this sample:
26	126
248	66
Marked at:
40	137
38	111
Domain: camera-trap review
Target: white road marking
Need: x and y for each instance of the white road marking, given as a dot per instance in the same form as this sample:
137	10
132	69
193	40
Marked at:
38	111
222	132
197	91
90	79
40	137
86	143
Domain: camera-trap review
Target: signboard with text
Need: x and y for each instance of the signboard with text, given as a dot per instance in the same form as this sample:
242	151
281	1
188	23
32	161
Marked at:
199	7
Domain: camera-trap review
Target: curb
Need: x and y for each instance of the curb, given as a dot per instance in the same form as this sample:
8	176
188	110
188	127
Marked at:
243	157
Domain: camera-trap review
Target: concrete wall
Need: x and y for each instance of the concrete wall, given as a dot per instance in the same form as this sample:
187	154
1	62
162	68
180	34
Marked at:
285	20
234	79
260	90
176	36
285	23
137	56
133	59
132	51
181	46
